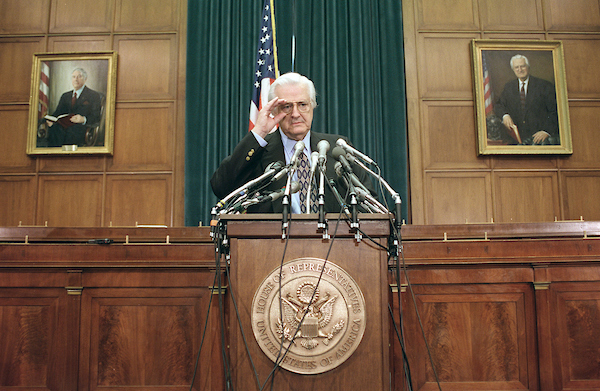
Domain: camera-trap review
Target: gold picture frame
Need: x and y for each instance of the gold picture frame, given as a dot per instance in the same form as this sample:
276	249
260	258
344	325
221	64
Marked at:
541	119
65	125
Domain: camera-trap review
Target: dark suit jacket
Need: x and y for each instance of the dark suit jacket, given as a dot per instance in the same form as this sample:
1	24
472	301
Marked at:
249	160
89	105
540	107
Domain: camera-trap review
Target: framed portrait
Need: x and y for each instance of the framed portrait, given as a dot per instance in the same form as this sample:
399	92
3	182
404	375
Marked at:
72	103
521	97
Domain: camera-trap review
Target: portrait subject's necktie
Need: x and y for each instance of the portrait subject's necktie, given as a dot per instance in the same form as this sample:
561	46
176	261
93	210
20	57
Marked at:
522	95
73	99
303	173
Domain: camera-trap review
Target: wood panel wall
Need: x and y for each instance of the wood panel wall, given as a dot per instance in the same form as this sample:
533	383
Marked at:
449	183
138	314
501	314
143	181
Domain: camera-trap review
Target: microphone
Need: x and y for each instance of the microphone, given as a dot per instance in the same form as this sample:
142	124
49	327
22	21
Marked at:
339	170
345	176
393	193
338	197
321	197
285	203
367	199
275	195
340	155
323	147
283	172
343	144
314	160
298	148
271	169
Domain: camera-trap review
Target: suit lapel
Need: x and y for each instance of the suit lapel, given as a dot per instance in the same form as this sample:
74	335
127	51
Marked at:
273	153
274	149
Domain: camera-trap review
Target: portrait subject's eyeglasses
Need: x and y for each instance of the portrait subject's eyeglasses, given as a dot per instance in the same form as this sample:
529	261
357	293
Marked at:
303	107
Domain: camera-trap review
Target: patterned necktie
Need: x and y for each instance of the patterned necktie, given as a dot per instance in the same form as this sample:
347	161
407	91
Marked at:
522	95
73	99
303	173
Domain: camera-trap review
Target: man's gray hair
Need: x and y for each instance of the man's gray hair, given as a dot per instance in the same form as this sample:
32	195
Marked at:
292	78
82	71
518	57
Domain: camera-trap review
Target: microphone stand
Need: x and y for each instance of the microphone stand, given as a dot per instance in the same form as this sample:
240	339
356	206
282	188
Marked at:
285	202
322	224
213	223
354	210
395	196
340	200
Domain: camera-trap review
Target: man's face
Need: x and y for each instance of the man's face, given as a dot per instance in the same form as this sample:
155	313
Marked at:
520	68
296	124
77	80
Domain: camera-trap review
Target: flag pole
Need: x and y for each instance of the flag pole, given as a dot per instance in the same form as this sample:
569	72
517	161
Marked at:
293	35
274	40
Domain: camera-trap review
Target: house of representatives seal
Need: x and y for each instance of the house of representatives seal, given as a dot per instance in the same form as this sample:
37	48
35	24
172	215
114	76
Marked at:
323	318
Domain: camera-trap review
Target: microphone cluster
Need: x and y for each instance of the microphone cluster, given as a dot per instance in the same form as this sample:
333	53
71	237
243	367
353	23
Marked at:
253	193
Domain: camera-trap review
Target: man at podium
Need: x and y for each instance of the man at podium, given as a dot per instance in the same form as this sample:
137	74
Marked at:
292	100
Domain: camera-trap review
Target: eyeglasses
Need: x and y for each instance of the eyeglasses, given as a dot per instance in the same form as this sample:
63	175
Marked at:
303	107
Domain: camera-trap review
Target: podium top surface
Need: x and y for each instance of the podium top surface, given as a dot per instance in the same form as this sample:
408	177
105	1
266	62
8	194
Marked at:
162	234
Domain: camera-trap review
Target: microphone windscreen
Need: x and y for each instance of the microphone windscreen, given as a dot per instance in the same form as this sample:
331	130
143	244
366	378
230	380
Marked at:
341	142
314	156
295	187
337	152
323	145
274	166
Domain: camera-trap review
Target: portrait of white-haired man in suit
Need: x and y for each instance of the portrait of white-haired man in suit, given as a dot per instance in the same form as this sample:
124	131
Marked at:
527	107
82	104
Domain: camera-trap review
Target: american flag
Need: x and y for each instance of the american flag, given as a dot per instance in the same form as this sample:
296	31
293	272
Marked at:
44	89
487	89
266	62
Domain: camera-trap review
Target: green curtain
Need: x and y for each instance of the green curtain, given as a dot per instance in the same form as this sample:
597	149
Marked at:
352	50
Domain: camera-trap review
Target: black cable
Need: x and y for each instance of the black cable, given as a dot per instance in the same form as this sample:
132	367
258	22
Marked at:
203	332
277	364
414	299
226	363
287	237
237	313
402	337
281	357
403	347
347	217
398	249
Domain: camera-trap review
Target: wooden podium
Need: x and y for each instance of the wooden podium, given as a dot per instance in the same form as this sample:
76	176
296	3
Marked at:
257	249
